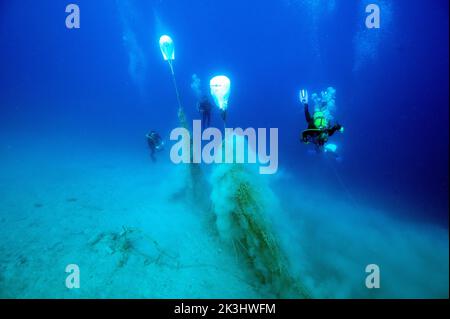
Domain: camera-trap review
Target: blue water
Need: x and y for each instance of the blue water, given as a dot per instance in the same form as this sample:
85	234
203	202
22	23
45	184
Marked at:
76	105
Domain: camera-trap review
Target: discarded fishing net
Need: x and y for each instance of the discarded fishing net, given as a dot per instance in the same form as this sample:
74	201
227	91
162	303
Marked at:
241	202
132	241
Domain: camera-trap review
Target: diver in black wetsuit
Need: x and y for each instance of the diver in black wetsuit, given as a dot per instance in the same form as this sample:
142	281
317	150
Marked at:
205	107
155	143
319	128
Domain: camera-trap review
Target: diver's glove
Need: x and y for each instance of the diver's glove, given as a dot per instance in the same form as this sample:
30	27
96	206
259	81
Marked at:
303	95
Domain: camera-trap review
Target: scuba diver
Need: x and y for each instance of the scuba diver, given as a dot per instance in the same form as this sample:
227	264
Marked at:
319	128
205	107
155	143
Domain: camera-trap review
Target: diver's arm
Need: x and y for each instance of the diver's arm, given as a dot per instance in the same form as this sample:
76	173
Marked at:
334	129
307	114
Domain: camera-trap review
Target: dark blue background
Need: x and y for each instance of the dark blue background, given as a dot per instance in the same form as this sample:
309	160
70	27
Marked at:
75	83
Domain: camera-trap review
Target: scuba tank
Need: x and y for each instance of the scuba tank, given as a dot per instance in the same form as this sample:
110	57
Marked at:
320	121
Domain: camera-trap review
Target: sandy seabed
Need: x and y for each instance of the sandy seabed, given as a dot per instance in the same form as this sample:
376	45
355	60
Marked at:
125	222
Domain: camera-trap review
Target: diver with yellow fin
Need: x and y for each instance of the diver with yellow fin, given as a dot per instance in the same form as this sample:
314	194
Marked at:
319	127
